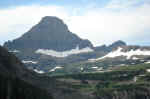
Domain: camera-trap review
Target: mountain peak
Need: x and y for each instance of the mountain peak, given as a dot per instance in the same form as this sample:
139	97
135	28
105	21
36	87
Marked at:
121	42
50	24
51	20
117	44
49	17
50	33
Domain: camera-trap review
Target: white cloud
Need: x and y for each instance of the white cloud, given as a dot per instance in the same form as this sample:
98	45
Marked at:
99	25
16	21
104	26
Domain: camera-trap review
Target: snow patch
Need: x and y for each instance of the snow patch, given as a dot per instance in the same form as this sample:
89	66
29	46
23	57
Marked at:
39	71
128	54
148	70
142	60
32	62
94	67
122	64
135	58
81	68
97	68
93	60
15	51
64	53
119	52
57	67
148	62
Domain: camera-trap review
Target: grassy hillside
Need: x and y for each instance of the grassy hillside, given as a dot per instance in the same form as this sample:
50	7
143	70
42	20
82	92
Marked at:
130	81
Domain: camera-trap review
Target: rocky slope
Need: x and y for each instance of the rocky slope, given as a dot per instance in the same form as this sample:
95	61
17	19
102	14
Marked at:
120	55
49	33
48	44
111	47
12	85
18	82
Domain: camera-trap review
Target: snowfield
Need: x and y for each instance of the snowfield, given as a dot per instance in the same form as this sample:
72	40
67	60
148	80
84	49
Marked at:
15	51
148	62
57	67
39	71
32	62
127	54
63	53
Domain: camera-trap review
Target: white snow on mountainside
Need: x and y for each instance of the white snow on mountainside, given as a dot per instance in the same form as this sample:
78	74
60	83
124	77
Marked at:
127	54
148	62
33	62
57	67
39	71
64	53
15	51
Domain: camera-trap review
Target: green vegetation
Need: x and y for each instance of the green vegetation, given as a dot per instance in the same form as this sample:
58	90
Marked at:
120	80
118	75
135	67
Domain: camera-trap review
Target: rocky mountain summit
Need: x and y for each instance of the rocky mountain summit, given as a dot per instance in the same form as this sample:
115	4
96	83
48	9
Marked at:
48	43
50	33
111	47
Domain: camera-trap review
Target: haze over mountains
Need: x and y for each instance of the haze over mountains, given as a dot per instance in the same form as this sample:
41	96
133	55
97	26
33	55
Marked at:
50	44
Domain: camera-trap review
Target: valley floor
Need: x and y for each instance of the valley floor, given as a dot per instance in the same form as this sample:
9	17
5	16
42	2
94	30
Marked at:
132	82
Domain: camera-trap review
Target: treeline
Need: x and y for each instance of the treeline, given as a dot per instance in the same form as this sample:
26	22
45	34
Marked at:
106	76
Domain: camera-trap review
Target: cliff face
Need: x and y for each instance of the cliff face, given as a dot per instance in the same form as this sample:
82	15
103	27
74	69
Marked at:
49	33
48	44
11	85
17	82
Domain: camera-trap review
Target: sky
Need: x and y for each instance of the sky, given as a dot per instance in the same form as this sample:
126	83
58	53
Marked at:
100	21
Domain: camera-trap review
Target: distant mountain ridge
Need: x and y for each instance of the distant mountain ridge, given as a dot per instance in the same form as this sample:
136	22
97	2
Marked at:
111	47
49	33
50	44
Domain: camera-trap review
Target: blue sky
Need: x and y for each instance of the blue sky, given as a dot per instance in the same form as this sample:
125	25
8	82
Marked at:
100	21
9	3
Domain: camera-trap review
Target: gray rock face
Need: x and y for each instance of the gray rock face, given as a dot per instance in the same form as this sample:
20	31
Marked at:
117	44
49	33
111	47
17	82
12	82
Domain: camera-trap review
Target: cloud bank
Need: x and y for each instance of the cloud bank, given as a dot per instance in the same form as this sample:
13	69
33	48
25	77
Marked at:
116	20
